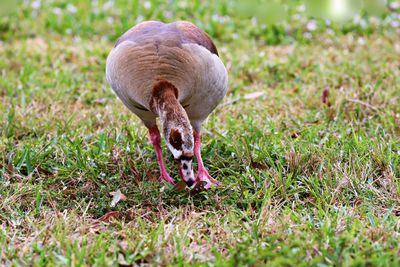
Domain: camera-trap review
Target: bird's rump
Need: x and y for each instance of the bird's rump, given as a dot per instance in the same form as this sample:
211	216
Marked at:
172	34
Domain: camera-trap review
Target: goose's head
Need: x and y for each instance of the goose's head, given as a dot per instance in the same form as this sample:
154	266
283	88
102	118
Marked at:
180	142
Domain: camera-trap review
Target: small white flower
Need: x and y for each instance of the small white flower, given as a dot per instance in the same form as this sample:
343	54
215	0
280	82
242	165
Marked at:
311	25
147	5
363	23
394	15
296	16
71	8
92	163
57	11
168	14
394	23
182	4
35	13
254	21
140	18
107	5
357	19
110	20
301	8
307	35
395	5
220	19
374	21
361	41
36	4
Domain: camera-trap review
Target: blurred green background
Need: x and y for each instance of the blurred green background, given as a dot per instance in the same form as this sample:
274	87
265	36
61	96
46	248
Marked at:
273	22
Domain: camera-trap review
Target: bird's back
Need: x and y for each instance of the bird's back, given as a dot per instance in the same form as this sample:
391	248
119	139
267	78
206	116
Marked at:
178	52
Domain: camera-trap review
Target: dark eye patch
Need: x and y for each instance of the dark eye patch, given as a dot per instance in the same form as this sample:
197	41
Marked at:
183	157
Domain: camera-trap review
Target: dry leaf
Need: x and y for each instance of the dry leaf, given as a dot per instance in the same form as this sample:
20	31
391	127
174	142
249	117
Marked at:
94	228
253	95
117	196
325	96
200	186
136	174
10	168
180	186
123	244
115	154
109	216
151	177
121	260
101	101
130	214
295	135
258	166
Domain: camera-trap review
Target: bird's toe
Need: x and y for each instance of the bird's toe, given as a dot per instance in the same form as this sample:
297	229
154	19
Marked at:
205	177
168	179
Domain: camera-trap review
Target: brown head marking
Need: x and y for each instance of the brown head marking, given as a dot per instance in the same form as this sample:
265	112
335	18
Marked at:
175	139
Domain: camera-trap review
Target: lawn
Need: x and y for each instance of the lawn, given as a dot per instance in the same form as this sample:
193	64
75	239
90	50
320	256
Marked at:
306	142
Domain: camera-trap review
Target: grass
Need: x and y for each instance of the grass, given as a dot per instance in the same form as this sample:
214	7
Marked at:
307	181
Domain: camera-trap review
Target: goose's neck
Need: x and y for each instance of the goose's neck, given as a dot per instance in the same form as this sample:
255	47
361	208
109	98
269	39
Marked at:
175	123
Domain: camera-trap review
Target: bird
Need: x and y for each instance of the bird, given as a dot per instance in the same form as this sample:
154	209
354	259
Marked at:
173	72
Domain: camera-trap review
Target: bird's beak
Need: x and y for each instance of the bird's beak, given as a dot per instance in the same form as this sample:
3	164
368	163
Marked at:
186	170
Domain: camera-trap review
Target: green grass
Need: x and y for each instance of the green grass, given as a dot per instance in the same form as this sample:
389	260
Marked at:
305	183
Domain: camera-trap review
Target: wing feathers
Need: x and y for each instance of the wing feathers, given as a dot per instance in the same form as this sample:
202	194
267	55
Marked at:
172	34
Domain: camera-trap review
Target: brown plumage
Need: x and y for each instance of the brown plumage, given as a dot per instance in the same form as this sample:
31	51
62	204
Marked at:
171	71
176	33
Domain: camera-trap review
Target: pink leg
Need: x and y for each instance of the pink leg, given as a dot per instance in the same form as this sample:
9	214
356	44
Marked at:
202	173
156	141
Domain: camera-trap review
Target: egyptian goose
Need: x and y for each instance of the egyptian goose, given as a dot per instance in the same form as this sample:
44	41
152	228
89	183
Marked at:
171	71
